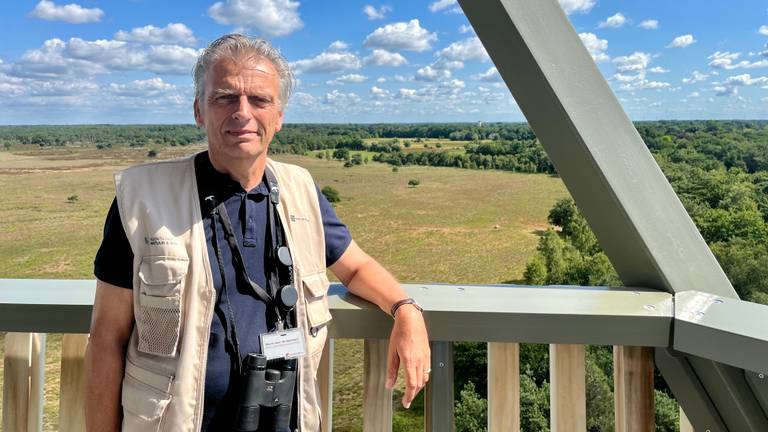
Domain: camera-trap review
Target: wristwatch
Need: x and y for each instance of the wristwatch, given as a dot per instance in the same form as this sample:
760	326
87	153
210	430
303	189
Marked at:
402	302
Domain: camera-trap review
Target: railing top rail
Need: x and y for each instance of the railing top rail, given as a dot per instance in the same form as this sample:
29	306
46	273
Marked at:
543	314
552	314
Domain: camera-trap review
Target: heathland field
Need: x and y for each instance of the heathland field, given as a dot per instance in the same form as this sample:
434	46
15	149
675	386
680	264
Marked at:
456	226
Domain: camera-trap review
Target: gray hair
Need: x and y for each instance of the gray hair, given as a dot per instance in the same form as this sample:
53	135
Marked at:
240	48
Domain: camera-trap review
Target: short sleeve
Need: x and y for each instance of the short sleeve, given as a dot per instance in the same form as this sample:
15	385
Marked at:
114	260
337	236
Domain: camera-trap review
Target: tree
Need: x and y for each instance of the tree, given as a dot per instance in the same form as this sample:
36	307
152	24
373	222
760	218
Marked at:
534	405
471	410
331	194
413	182
341	154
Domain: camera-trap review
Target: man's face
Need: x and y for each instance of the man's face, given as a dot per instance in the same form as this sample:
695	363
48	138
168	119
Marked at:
240	109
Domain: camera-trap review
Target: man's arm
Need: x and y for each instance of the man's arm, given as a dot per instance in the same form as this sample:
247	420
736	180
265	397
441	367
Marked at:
111	327
408	343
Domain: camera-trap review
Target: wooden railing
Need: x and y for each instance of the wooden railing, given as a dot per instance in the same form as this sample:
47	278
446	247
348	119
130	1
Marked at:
485	313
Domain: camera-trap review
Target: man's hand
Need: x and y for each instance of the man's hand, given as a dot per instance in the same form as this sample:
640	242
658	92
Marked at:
409	348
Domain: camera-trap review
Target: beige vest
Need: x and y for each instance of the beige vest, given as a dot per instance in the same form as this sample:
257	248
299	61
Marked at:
173	295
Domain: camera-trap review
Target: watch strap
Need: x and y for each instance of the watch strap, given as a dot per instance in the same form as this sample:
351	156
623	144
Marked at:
402	302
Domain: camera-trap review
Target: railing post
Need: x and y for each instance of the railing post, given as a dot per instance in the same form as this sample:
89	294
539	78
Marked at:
325	383
438	398
503	387
377	400
567	394
633	389
72	396
24	376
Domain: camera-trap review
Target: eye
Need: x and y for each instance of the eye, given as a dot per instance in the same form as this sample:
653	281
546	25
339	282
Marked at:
225	99
259	102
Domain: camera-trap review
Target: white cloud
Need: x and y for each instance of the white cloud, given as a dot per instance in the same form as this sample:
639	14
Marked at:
335	97
376	14
466	29
381	57
441	5
465	50
694	94
682	41
632	71
141	88
78	57
650	24
427	73
381	80
327	62
491	75
614	21
338	46
580	6
271	17
635	62
627	78
401	36
71	13
402	78
173	33
348	79
725	60
746	80
643	84
595	46
726	90
380	92
695	77
303	99
406	93
763	30
448	64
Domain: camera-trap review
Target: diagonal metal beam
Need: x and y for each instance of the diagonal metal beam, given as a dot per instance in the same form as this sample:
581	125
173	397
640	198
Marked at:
639	221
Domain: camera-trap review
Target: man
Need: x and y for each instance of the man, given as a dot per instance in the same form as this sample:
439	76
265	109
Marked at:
220	254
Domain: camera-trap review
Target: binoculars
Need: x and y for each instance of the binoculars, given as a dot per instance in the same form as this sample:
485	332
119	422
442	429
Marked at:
267	395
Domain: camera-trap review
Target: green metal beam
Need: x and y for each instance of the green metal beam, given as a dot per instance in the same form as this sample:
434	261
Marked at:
726	330
627	201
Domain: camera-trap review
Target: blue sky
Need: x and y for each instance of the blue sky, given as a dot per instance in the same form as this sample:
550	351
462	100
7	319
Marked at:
356	61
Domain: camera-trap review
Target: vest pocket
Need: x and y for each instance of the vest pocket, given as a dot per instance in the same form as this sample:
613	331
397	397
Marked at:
316	303
158	320
145	398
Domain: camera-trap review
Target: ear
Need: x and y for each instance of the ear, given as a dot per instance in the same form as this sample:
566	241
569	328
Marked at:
198	116
279	124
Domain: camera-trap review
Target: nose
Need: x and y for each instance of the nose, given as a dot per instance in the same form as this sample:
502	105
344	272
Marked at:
243	108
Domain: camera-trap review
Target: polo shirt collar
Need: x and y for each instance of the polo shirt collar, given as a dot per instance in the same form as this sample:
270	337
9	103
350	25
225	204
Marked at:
211	181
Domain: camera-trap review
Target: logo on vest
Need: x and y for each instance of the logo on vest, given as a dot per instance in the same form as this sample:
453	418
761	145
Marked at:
295	218
161	241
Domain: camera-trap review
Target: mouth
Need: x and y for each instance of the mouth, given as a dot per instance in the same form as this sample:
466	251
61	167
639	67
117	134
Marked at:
241	132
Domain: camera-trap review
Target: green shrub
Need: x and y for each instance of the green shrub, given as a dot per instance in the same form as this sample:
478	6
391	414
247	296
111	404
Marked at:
331	194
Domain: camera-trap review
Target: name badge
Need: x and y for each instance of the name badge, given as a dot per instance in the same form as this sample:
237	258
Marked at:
286	344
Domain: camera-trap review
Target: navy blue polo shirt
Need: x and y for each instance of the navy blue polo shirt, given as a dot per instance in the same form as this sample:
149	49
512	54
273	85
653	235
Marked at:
248	211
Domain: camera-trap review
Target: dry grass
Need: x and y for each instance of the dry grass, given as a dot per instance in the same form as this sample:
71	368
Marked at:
456	226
